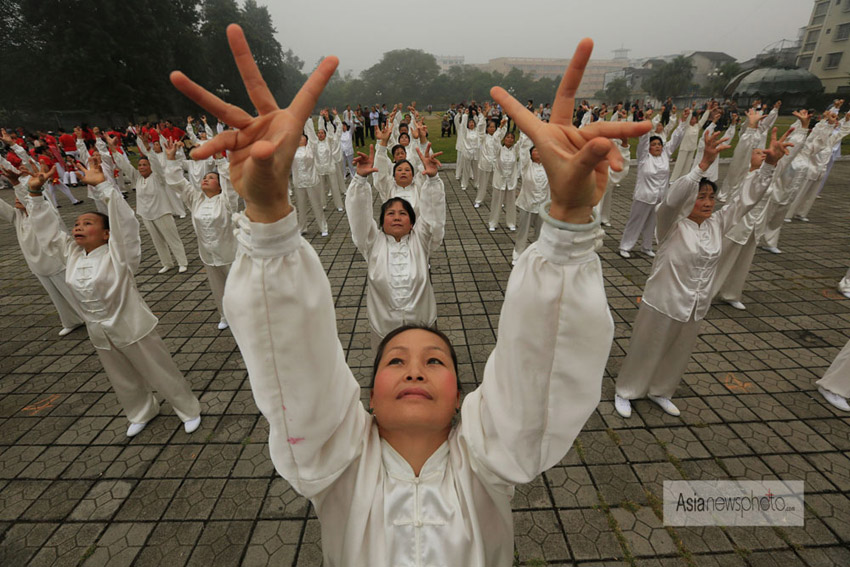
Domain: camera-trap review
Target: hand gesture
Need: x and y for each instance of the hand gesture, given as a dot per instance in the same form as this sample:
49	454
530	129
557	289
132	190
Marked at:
262	149
189	119
204	118
576	161
384	135
6	137
754	117
11	175
778	148
112	141
803	116
714	144
429	160
170	150
365	164
685	114
38	179
91	175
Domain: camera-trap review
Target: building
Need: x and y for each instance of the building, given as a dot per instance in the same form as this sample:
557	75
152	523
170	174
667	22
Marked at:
706	64
447	61
826	43
594	74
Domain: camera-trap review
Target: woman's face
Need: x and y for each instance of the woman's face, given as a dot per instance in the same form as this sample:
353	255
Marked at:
303	141
89	232
321	135
416	385
471	124
403	175
509	140
655	147
491	128
694	119
397	221
704	205
210	184
399	154
535	155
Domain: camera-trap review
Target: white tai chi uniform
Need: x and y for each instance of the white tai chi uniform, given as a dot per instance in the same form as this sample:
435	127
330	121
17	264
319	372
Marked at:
532	196
120	325
458	117
470	142
155	209
653	179
837	377
398	287
386	185
688	147
307	186
327	162
212	220
488	154
537	392
678	292
821	162
43	254
614	179
174	202
740	164
505	178
713	172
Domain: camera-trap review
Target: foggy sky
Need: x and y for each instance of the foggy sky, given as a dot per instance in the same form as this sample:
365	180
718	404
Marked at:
360	32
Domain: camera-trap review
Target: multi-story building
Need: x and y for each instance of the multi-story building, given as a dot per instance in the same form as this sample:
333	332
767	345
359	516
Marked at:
447	61
825	49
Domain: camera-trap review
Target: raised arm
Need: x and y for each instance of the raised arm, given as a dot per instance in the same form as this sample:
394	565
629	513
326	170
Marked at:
431	222
278	299
676	138
358	204
539	389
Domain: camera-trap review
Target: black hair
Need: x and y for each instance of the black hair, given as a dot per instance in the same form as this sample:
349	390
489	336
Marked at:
410	327
494	123
707	182
401	161
404	203
404	134
395	147
145	158
653	138
531	149
103	218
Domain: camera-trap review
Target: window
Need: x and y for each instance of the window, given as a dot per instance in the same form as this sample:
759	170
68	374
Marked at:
842	32
811	41
805	62
832	60
821	9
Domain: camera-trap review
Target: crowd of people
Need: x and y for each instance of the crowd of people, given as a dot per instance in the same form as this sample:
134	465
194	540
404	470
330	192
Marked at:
451	463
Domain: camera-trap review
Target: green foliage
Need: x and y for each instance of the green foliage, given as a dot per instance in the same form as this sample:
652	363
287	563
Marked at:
672	78
722	76
617	90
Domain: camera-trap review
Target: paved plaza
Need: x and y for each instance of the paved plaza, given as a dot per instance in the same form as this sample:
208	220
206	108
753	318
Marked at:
75	491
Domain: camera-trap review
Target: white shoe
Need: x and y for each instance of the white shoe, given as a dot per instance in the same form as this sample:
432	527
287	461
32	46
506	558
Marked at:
324	233
625	254
182	216
476	205
667	405
192	425
623	406
846	294
492	229
786	220
804	219
339	209
69	330
135	429
834	399
736	304
182	269
223	324
606	223
649	253
512	228
772	249
164	269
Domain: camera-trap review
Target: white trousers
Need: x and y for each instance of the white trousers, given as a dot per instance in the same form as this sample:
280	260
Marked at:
805	199
641	224
70	178
605	203
468	171
659	352
348	165
485	180
62	298
684	161
509	198
217	276
837	377
51	192
844	284
146	365
524	223
314	196
165	238
331	184
459	164
733	269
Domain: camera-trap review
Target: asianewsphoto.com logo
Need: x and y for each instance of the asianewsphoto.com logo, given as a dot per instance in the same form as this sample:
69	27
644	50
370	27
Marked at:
733	503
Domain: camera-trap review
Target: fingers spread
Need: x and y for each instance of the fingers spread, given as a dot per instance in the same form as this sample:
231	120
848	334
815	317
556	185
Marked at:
590	156
227	140
256	86
524	119
225	112
617	129
306	98
562	108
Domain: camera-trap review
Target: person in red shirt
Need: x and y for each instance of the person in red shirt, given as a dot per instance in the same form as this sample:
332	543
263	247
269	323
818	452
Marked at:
67	142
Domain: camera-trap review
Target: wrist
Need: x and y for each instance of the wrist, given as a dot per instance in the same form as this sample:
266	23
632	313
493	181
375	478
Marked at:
572	215
268	212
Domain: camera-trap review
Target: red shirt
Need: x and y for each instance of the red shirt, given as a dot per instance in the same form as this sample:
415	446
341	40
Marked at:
13	159
69	142
174	134
51	141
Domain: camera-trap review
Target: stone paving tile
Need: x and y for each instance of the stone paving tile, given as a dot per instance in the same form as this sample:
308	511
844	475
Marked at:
74	490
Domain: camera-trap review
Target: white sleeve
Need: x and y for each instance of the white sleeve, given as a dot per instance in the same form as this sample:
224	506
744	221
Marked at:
540	388
280	308
123	163
125	245
7	211
358	207
678	202
432	211
752	192
48	225
230	194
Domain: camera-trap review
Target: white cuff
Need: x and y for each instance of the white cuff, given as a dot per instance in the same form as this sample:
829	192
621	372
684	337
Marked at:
268	240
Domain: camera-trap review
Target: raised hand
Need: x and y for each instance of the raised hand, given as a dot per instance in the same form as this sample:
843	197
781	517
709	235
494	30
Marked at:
384	135
365	164
112	141
262	148
754	117
429	160
714	144
778	148
576	161
803	116
6	137
91	175
39	178
13	176
170	150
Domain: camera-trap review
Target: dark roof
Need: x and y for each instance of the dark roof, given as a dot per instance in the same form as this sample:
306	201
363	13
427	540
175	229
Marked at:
713	55
774	81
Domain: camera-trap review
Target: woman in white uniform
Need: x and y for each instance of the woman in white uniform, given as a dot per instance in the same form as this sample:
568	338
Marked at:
678	292
689	144
101	260
397	248
305	181
469	135
490	146
505	179
211	204
532	197
403	486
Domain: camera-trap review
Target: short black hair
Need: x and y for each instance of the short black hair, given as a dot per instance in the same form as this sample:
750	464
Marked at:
706	181
401	161
396	147
404	203
404	134
409	327
103	218
653	138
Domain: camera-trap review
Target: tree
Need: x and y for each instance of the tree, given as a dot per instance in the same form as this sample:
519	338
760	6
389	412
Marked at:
618	90
401	75
670	79
721	77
